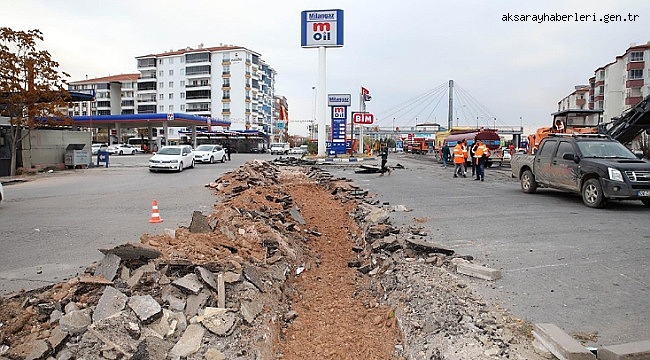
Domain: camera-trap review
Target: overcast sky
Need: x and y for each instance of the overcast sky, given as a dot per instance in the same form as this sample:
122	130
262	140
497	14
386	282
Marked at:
404	52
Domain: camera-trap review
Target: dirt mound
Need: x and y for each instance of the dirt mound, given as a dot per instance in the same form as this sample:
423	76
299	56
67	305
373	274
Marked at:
292	263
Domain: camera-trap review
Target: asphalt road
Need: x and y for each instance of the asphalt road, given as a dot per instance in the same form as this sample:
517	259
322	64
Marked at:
584	269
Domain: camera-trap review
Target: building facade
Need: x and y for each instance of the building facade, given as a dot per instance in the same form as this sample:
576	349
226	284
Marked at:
621	84
231	83
576	100
114	95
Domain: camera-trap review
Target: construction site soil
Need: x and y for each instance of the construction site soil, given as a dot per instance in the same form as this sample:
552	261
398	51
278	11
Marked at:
291	263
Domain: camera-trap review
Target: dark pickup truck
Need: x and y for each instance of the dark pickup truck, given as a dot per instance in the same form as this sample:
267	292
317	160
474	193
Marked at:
597	167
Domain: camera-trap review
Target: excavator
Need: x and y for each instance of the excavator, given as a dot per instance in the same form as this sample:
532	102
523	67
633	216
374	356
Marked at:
586	121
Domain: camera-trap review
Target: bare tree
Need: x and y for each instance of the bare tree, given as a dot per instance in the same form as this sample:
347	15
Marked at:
32	92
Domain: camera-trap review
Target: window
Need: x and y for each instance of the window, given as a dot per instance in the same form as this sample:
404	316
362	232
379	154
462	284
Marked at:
198	70
171	96
161	108
182	59
171	108
636	56
564	148
161	85
200	57
159	61
182	95
171	60
547	148
171	84
182	72
183	105
635	74
161	96
182	83
161	73
171	72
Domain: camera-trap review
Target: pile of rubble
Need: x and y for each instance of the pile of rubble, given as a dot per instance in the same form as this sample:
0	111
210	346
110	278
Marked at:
229	286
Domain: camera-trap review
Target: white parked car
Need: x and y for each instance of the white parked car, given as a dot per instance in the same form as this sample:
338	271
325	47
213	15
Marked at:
122	149
280	148
176	158
96	147
297	151
209	154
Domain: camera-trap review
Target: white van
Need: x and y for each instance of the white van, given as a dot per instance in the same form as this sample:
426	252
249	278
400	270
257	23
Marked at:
280	148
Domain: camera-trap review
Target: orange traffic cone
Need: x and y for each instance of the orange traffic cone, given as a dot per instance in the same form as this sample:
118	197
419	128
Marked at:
155	215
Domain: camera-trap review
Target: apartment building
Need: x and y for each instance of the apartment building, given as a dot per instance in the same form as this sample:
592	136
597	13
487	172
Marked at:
576	100
227	82
621	84
114	95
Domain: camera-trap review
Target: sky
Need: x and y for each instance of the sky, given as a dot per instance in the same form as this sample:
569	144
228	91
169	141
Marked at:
508	73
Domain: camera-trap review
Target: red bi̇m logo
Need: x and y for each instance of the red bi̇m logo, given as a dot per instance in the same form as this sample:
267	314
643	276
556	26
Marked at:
322	31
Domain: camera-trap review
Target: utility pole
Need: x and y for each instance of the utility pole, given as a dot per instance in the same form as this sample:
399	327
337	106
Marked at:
450	116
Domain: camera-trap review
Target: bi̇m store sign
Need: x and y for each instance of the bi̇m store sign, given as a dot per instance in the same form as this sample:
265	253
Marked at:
322	28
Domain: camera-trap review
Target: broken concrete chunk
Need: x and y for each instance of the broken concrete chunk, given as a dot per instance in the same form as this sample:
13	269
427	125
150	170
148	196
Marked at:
214	354
108	266
196	302
145	307
478	271
133	251
427	247
230	277
114	334
199	223
175	303
112	302
57	338
295	213
207	276
139	272
250	309
75	322
189	283
254	276
152	348
218	321
40	350
189	343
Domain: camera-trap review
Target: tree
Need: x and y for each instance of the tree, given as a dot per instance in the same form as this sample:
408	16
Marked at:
32	90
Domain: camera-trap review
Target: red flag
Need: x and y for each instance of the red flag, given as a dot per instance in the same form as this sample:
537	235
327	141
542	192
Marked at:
365	91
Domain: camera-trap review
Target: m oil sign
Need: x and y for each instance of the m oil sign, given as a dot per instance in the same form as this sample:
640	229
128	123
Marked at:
322	28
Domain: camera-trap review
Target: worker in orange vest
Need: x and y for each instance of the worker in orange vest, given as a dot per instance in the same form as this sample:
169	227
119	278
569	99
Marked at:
459	160
480	157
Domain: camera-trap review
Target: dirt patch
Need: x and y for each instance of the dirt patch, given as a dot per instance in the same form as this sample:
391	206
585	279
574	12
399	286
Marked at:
291	263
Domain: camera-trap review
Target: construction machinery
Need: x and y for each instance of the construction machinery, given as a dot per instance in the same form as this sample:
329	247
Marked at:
624	128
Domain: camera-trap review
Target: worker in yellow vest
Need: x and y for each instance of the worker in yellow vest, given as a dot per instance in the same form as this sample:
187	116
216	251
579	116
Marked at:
481	155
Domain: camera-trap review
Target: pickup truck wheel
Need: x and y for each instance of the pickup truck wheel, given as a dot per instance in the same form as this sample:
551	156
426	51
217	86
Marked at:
592	193
528	183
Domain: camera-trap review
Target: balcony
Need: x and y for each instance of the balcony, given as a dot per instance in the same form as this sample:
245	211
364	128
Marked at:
633	100
146	64
634	83
195	110
635	65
